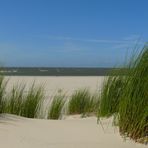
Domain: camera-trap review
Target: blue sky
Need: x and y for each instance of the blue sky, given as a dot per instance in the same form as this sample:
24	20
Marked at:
71	33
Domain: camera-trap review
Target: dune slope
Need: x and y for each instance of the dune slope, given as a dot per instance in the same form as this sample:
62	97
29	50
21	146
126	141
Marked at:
72	132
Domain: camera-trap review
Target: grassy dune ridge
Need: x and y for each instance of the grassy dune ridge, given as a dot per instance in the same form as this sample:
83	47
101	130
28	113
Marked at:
30	103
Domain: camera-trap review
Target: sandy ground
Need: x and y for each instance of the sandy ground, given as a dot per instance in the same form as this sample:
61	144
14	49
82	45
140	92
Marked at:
54	83
73	132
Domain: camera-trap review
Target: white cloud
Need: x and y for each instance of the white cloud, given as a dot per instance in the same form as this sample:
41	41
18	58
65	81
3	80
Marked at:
131	39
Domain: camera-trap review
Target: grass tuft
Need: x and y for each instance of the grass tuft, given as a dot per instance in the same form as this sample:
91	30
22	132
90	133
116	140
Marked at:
14	100
3	85
82	102
20	102
32	103
56	107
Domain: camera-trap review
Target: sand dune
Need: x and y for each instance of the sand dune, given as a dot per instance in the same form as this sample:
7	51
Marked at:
72	132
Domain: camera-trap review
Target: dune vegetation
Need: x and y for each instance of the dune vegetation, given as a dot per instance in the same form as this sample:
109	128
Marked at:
83	102
22	103
29	102
110	95
3	85
126	98
56	107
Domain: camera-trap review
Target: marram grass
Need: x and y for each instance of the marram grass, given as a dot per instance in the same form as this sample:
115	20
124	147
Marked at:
126	97
82	102
33	101
3	84
22	103
56	107
14	100
92	106
110	95
30	103
133	107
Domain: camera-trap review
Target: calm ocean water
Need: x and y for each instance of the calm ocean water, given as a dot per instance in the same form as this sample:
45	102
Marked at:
42	71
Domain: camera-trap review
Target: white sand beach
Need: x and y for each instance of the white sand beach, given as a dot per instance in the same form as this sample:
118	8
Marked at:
72	132
54	83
